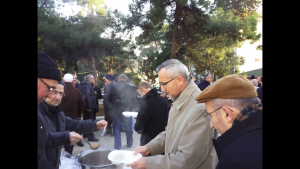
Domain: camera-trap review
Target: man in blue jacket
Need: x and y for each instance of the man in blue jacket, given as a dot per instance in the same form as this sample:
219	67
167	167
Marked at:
236	113
58	127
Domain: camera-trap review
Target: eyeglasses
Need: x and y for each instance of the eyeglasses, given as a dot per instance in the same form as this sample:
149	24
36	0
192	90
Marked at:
164	84
51	89
60	93
208	116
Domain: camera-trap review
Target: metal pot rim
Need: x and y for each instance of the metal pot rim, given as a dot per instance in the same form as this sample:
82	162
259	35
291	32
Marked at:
84	152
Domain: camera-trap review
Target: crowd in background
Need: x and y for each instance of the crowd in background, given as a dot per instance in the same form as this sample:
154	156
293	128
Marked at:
179	128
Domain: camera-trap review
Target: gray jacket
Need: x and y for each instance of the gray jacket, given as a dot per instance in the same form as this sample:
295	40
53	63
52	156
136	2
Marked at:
107	105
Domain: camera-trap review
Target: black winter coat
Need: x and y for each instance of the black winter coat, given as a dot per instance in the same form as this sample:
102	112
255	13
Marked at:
152	117
260	94
203	85
98	96
88	94
43	163
123	97
241	145
57	126
107	105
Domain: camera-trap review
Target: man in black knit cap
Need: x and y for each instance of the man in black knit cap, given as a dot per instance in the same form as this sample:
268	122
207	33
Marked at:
47	79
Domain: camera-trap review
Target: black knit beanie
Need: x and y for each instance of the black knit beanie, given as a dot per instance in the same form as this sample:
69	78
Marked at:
47	67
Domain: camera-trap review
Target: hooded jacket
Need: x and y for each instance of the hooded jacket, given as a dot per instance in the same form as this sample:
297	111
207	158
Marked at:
152	117
56	126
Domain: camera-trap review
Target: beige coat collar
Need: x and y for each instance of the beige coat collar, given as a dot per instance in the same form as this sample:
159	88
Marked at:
185	95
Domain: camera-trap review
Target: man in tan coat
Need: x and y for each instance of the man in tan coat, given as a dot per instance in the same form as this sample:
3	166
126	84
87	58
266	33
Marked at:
187	140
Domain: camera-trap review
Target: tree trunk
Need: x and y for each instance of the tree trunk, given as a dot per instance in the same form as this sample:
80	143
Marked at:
145	70
75	67
175	30
93	65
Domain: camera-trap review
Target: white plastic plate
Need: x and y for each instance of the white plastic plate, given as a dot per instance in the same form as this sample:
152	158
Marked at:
123	156
128	114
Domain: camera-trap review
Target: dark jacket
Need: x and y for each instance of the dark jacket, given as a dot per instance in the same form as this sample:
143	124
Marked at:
203	85
57	126
78	86
152	117
72	103
123	97
107	105
260	93
89	94
241	145
197	82
43	162
259	84
98	96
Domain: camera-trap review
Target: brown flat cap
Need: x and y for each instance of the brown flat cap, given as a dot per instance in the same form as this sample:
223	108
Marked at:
229	87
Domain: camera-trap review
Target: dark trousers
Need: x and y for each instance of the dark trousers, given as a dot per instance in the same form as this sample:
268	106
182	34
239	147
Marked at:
69	149
108	118
86	116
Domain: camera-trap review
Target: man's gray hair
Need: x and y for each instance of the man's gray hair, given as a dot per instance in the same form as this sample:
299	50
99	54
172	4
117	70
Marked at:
206	76
196	77
122	76
254	81
240	104
174	69
144	85
89	76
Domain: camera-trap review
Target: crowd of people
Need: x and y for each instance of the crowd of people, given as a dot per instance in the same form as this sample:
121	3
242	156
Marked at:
181	134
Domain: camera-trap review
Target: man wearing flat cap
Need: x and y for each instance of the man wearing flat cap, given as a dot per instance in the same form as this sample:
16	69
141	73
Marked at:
109	82
236	113
186	140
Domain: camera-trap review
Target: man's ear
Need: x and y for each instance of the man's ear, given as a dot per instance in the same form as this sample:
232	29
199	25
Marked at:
229	114
180	80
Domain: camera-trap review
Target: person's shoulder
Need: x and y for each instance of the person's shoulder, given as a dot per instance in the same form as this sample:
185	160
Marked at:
77	90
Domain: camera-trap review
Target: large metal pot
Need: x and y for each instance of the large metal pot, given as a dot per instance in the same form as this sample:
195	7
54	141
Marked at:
96	159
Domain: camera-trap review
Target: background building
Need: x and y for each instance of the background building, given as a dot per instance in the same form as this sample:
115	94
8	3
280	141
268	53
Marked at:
253	57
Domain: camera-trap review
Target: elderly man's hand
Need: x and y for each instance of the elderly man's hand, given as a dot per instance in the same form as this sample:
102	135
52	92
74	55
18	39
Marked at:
74	137
139	164
141	149
101	124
